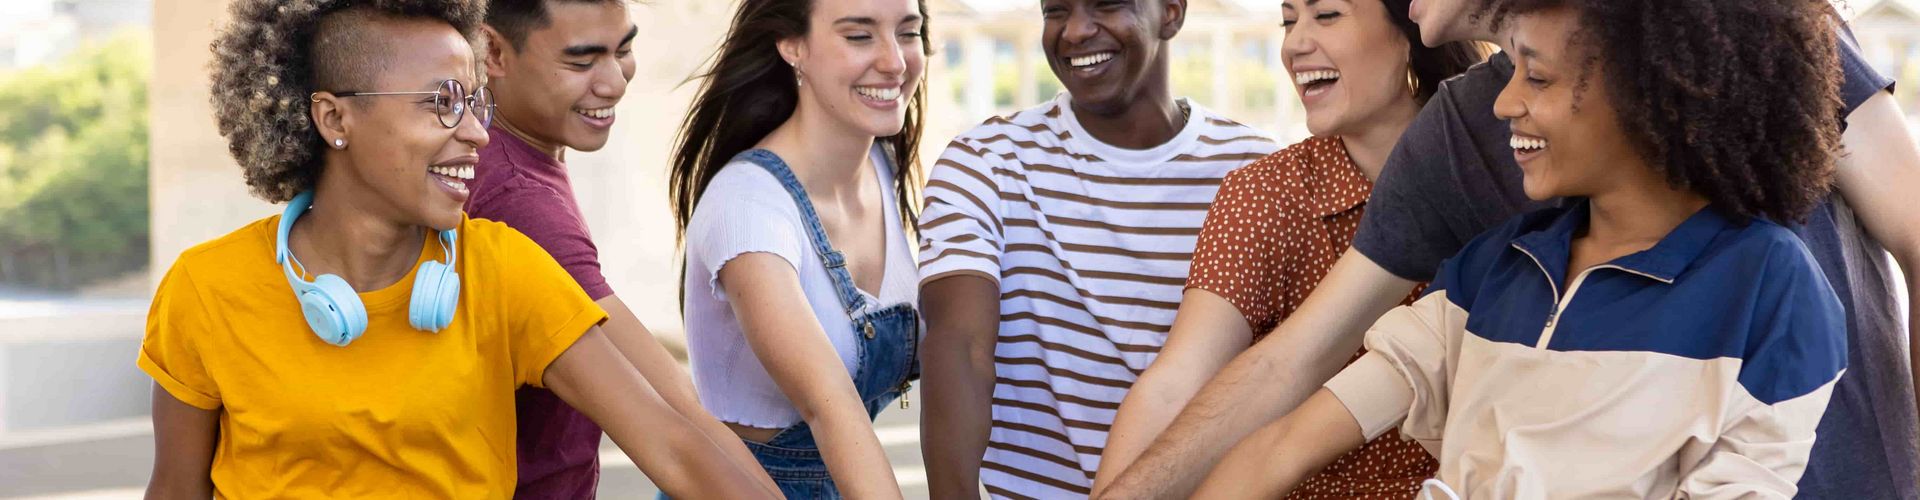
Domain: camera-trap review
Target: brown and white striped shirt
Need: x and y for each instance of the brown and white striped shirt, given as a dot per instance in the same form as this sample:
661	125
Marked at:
1090	244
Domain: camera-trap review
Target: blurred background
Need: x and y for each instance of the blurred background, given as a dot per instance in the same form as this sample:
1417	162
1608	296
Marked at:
110	166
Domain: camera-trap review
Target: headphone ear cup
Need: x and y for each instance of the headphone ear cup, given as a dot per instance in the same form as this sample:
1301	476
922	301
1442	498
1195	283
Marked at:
449	299
428	310
333	310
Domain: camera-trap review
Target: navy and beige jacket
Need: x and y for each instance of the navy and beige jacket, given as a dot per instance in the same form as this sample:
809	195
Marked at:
1697	368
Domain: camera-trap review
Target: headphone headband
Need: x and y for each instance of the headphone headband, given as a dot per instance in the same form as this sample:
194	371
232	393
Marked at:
332	307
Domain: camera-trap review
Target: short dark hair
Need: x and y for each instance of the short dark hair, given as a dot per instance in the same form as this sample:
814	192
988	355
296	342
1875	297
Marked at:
1737	100
516	19
274	53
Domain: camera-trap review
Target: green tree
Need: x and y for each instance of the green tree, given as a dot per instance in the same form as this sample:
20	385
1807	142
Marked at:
73	166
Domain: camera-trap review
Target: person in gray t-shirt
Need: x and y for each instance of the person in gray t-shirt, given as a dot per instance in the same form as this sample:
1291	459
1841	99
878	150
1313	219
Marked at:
1452	176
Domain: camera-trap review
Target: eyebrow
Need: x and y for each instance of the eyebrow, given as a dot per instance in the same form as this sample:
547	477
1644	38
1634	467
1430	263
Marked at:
1527	51
868	21
594	50
1523	50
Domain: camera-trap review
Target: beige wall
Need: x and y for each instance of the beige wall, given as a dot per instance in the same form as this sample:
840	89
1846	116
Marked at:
196	190
198	193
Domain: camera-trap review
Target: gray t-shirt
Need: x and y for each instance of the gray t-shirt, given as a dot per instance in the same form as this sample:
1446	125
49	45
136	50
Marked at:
1452	176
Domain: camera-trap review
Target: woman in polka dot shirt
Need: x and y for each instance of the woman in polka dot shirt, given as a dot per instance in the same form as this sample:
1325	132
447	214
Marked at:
1275	230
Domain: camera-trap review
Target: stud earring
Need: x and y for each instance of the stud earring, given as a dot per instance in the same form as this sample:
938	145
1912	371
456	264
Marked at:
339	144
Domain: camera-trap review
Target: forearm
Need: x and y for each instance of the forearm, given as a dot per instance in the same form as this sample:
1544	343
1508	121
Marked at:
593	378
670	380
1267	381
1206	335
1151	404
1255	468
852	452
688	464
957	383
1281	455
1251	392
687	404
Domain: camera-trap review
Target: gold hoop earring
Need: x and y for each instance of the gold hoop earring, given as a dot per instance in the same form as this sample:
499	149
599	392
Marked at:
1413	83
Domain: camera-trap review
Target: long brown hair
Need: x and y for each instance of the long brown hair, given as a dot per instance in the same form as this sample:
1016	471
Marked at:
748	90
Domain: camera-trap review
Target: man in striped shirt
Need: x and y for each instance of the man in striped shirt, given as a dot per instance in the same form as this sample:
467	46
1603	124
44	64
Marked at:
1054	247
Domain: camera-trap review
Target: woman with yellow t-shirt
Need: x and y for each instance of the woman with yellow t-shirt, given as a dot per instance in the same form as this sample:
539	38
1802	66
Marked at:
368	342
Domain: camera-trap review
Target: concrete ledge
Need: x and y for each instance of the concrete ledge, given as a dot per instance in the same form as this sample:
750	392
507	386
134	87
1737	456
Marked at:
66	371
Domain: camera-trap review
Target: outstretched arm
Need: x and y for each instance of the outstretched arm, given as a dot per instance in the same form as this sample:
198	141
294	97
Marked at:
1273	461
1267	381
592	377
963	320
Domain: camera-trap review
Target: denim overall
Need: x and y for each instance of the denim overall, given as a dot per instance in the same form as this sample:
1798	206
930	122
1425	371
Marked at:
889	342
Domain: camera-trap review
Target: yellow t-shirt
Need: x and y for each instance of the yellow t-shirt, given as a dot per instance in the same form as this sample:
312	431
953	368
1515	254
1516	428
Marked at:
399	413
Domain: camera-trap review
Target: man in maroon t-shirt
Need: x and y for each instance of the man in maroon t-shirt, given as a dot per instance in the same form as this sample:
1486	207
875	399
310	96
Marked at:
557	68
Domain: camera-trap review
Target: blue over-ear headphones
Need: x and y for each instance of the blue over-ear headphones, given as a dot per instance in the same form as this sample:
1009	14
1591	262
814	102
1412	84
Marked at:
333	308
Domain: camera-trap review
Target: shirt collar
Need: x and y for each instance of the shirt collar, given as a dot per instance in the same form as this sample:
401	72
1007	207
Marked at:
1552	245
1334	183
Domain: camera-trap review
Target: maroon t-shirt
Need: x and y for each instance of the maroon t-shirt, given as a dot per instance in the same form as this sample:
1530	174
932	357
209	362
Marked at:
527	190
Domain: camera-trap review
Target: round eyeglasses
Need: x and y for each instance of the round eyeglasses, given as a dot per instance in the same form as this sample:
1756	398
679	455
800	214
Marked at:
450	102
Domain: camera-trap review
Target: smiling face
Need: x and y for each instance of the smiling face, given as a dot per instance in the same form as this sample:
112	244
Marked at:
399	160
860	62
1566	134
1107	53
558	88
1348	63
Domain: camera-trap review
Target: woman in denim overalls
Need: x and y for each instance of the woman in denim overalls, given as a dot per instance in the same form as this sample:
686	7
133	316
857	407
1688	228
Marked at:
797	153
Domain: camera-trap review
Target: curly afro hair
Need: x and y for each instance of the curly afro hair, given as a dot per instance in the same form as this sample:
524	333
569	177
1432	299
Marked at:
269	59
1737	100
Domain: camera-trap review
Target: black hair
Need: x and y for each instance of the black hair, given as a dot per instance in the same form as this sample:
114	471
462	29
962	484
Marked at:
515	19
1737	100
274	53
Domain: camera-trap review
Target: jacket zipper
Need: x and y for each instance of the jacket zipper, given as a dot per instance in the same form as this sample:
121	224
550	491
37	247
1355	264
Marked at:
1560	302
